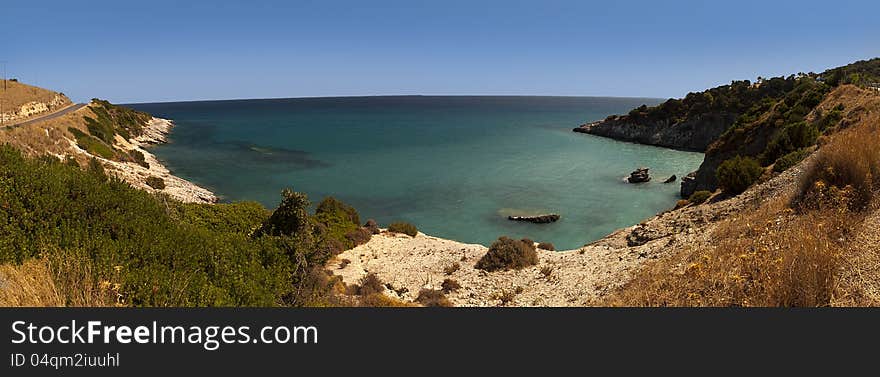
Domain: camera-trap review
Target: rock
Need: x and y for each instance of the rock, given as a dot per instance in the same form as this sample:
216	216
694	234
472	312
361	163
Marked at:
670	179
539	219
640	175
688	184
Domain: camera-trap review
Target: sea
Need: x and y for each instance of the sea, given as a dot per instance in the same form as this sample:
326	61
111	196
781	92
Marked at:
455	166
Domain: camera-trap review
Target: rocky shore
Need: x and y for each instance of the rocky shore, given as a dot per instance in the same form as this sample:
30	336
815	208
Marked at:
692	135
155	132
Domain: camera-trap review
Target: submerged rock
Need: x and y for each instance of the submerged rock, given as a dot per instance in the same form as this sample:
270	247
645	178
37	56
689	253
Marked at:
539	219
640	175
670	179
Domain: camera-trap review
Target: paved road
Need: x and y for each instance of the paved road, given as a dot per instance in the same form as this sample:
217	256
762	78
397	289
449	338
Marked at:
56	114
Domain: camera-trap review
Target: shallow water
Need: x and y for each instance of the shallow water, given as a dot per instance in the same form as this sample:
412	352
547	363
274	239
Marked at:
454	166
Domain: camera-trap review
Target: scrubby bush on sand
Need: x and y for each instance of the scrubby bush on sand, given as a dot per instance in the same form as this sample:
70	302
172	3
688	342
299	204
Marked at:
403	227
737	174
506	253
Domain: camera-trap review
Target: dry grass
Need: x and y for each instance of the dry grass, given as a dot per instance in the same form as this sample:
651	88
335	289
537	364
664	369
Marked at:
847	169
17	94
59	281
768	257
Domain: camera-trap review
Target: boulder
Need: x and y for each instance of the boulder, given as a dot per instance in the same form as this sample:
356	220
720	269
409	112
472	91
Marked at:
639	175
670	179
539	219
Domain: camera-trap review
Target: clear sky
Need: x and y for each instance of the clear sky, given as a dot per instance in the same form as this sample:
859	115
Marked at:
143	51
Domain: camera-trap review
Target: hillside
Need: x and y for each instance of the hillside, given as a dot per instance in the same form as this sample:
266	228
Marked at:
20	102
115	137
765	120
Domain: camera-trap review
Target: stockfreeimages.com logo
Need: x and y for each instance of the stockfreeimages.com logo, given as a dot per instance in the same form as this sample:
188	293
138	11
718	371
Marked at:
209	337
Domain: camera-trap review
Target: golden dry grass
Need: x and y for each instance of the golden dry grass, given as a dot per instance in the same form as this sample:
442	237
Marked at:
59	281
17	94
28	284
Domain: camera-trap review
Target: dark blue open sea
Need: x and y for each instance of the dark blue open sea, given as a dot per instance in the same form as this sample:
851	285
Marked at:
454	166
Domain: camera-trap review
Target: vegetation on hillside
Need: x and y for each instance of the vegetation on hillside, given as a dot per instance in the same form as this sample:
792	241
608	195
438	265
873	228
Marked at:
102	238
771	115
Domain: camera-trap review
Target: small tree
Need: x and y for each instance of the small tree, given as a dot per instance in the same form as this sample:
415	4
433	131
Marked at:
737	174
291	218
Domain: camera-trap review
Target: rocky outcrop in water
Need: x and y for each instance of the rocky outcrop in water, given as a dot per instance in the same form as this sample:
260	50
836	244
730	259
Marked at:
639	175
670	179
539	219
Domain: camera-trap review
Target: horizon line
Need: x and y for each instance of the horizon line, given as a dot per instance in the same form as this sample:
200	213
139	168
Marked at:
393	96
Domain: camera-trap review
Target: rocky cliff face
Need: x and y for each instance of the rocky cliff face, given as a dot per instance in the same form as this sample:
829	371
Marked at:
693	134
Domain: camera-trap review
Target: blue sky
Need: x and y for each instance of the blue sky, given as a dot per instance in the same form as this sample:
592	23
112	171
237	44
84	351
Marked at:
143	51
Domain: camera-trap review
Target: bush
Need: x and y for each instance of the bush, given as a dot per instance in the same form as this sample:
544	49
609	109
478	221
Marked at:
139	158
372	226
291	218
338	221
156	183
334	207
432	297
359	236
546	246
699	197
506	253
783	163
370	284
450	269
737	174
450	285
403	227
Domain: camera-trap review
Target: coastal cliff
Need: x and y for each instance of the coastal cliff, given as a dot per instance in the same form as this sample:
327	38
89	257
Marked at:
691	135
765	120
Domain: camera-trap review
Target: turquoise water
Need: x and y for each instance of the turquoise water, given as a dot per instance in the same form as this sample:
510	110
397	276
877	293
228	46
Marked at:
454	166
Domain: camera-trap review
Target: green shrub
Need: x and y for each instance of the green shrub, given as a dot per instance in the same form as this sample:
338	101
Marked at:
432	297
92	145
96	168
506	253
699	197
737	174
403	227
783	163
291	218
340	222
155	182
332	206
156	253
791	138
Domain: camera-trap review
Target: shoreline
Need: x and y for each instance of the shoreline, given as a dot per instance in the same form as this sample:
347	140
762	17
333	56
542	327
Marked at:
577	277
155	132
